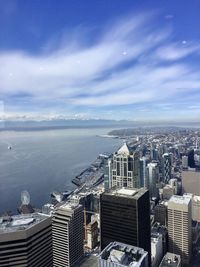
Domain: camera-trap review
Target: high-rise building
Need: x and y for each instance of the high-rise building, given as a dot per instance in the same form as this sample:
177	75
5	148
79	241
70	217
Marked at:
143	172
121	255
191	182
180	226
26	240
166	167
125	217
67	230
161	213
196	208
125	168
185	162
153	178
191	161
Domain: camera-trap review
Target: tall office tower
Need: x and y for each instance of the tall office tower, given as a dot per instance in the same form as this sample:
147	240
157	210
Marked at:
125	168
191	162
185	162
122	255
125	217
161	213
143	172
191	182
152	178
108	175
166	167
26	240
180	226
196	208
153	152
67	231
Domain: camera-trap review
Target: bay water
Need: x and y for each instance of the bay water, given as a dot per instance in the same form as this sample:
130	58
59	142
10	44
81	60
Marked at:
45	161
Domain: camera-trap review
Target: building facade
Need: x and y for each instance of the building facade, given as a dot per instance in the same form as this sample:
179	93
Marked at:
153	178
124	168
166	167
68	232
26	240
125	217
180	227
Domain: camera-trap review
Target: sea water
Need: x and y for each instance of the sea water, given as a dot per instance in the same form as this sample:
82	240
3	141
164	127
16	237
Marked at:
44	161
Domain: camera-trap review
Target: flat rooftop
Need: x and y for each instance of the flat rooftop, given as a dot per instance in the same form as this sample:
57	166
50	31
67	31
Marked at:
170	260
20	222
70	204
185	199
130	192
124	254
91	261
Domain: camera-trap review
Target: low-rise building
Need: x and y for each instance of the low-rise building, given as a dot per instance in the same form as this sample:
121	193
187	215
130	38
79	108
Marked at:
171	260
119	255
92	234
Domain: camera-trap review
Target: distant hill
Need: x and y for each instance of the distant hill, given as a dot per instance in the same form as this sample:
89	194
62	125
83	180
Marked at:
61	124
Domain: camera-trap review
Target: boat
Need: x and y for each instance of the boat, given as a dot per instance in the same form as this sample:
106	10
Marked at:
9	147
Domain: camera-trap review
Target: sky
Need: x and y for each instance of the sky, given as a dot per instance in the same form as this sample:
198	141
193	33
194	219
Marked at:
100	59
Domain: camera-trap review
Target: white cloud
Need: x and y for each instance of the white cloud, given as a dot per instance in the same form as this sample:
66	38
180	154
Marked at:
127	65
177	51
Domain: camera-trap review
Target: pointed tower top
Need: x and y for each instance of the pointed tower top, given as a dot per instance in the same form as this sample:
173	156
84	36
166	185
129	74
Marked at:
124	149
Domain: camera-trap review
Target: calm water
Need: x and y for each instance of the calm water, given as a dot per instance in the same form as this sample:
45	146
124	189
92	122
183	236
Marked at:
44	161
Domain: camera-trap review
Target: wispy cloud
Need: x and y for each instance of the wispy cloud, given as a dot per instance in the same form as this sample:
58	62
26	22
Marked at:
132	62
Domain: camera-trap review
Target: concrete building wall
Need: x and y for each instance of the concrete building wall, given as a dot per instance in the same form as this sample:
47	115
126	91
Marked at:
180	227
191	182
67	230
29	247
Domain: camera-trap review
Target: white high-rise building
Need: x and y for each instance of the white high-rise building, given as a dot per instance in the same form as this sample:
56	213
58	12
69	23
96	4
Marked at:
67	232
180	226
124	169
185	162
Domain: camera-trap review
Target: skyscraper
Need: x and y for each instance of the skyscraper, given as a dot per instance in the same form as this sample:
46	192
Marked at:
26	240
152	178
143	172
125	168
67	230
191	161
185	162
125	217
166	167
180	226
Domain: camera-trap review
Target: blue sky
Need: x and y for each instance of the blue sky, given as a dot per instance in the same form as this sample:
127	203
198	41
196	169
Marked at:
113	59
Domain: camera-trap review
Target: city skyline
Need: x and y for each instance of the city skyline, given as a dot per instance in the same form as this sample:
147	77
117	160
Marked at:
99	59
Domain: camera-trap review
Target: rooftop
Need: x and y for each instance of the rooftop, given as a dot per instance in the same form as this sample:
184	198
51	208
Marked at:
120	253
130	192
170	260
20	222
72	204
124	149
89	261
185	199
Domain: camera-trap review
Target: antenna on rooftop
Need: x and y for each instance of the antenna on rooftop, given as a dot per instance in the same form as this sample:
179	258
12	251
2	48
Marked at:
25	197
